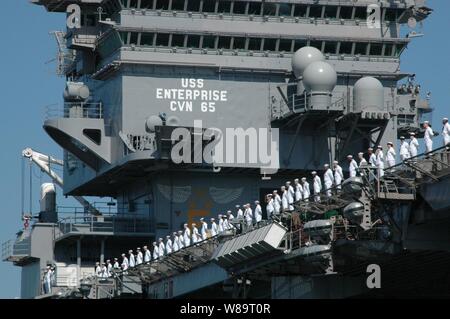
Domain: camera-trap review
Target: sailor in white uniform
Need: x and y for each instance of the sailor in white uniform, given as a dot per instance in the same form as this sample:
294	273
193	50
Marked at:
317	186
214	228
109	268
428	137
239	213
104	271
290	195
380	161
276	202
139	256
220	228
362	160
155	251
147	255
161	248
284	199
269	207
298	190
195	234
175	242
180	240
390	154
445	131
98	269
352	166
413	145
169	245
338	175
372	158
258	212
131	259
404	149
116	264
204	229
248	214
328	179
306	189
125	263
186	236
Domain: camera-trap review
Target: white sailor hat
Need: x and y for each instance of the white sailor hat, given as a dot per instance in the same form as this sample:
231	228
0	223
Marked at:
412	134
229	212
139	248
160	239
303	179
380	147
360	153
193	224
180	232
312	173
370	149
213	219
123	255
326	165
202	219
256	201
275	191
426	122
390	143
168	236
402	137
350	156
237	206
288	182
130	251
445	119
220	215
335	162
296	180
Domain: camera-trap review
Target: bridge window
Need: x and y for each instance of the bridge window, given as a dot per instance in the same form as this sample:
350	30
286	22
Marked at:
285	45
254	8
315	11
147	39
390	15
209	42
346	12
316	44
361	48
330	47
330	12
209	6
224	7
361	13
376	49
178	5
254	44
300	10
146	4
285	10
269	9
270	44
162	39
399	47
133	4
178	40
162	5
298	44
193	41
346	48
388	50
134	38
193	5
239	43
240	7
224	43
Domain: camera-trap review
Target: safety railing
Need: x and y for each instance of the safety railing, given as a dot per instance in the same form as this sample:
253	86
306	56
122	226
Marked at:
75	110
13	250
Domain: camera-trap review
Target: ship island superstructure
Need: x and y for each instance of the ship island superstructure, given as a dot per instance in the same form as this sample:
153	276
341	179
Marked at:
138	70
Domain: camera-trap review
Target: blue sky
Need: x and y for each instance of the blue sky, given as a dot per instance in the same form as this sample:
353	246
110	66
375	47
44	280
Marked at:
28	83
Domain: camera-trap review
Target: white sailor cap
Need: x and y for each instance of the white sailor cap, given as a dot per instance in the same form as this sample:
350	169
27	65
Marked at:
213	219
402	137
426	122
174	233
360	153
160	239
256	202
412	134
123	255
288	183
193	224
145	247
380	147
390	143
269	195
237	206
296	180
154	243
445	119
180	232
326	165
185	224
312	173
370	149
303	179
335	162
229	212
202	219
130	251
168	236
220	215
139	248
349	156
275	191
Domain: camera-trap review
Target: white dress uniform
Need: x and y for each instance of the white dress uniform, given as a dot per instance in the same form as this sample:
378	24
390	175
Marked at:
328	181
284	200
258	213
317	186
125	263
338	176
290	197
240	213
413	146
132	260
195	235
213	229
169	246
147	256
116	265
446	133
269	208
248	214
390	156
428	138
353	168
175	245
277	204
203	230
109	268
306	191
363	163
187	237
380	163
161	249
404	151
298	192
221	228
180	241
373	160
104	272
139	258
155	252
98	271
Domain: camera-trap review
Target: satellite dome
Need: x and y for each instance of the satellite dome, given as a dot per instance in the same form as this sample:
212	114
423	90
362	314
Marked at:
320	77
151	123
304	57
368	93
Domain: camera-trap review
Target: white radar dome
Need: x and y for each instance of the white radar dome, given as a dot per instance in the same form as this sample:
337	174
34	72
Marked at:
304	57
320	77
368	93
151	123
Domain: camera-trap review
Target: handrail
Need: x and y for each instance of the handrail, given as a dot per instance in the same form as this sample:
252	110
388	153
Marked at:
89	110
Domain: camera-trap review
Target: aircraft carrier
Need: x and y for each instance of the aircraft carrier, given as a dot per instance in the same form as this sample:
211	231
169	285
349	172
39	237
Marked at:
309	80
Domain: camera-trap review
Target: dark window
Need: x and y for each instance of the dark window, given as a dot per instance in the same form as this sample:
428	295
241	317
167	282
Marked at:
133	3
316	44
376	49
298	44
269	9
224	7
178	40
162	4
388	50
399	48
193	5
330	12
224	43
134	38
361	13
346	12
254	44
254	8
239	43
285	45
124	37
346	48
390	15
178	5
315	11
124	3
209	42
209	6
91	20
162	39
270	44
239	7
300	10
93	134
285	10
147	39
193	41
330	47
361	48
146	4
